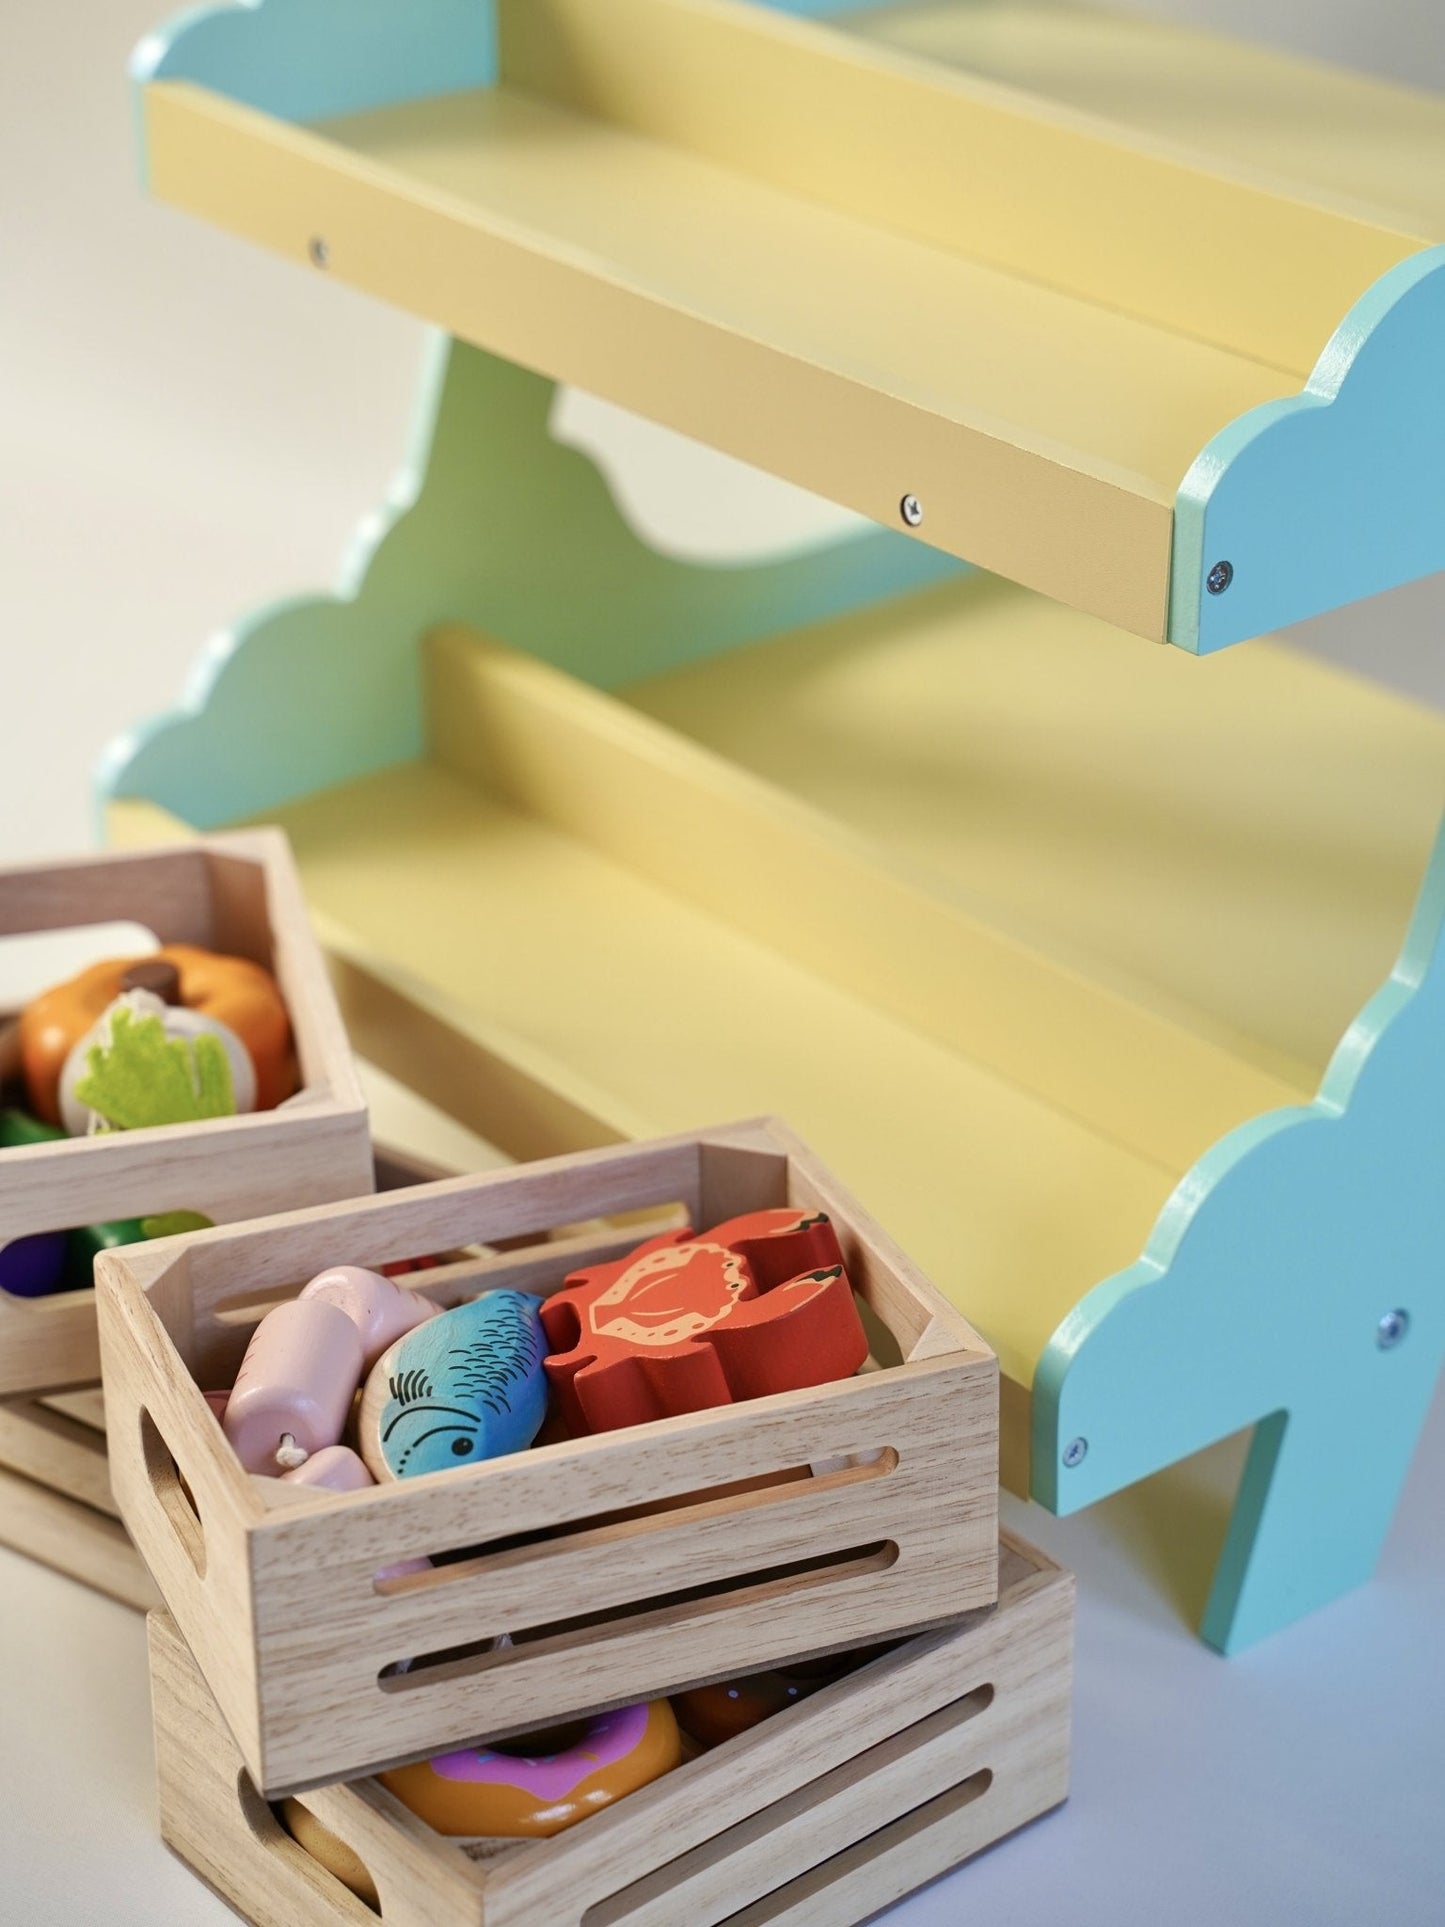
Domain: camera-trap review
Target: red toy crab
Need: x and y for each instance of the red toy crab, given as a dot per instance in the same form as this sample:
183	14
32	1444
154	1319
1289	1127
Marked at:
758	1304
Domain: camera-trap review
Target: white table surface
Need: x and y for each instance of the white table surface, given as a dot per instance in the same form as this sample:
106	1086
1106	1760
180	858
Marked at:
191	427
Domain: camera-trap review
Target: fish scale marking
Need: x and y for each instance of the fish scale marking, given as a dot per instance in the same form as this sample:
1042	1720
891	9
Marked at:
463	1387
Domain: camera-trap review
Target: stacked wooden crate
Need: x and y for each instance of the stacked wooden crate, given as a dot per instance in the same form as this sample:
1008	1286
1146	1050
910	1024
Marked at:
619	1566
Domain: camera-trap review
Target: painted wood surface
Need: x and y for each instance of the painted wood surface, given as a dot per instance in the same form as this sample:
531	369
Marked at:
1161	957
465	539
240	894
304	59
884	1521
1059	375
1312	533
819	1818
1294	1280
1331	494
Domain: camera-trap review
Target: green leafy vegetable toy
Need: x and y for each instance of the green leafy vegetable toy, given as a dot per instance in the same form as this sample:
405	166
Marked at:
144	1077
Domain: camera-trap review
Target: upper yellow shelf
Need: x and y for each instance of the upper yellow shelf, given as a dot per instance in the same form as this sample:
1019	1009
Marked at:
1046	273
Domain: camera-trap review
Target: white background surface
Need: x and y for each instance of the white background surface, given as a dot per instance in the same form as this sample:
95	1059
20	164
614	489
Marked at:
190	427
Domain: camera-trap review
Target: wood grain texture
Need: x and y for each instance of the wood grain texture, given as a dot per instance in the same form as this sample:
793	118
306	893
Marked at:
57	1451
56	1504
643	1557
818	1818
237	893
73	1538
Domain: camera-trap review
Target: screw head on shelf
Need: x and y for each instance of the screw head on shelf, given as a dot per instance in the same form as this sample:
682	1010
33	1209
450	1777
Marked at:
911	509
1075	1452
1219	578
319	250
1391	1329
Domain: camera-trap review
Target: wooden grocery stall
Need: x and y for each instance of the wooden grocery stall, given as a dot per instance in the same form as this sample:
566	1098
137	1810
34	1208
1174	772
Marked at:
1105	975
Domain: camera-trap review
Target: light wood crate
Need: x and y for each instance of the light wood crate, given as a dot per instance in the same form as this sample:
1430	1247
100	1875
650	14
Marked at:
817	1818
56	1504
633	1562
234	893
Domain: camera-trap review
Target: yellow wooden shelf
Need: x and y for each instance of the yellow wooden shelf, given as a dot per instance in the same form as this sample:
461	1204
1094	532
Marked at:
653	1014
1011	922
1331	134
1029	299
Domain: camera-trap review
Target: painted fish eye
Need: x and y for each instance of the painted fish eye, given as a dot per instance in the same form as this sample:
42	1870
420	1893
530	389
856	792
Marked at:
461	1447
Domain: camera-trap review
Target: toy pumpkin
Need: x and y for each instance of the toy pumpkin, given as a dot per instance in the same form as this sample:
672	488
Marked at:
232	990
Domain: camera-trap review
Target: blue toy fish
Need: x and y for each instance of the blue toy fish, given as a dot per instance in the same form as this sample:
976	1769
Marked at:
460	1388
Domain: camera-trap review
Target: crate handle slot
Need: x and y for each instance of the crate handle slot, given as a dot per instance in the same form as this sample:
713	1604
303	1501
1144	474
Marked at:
173	1494
779	1904
270	1833
454	1663
453	1564
359	1895
642	1899
538	1261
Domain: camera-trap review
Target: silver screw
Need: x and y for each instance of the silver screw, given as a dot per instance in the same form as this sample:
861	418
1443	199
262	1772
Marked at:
320	251
1075	1452
1219	578
1391	1329
911	509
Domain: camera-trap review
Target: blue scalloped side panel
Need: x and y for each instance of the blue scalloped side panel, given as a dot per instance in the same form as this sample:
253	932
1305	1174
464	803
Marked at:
304	60
1258	1302
1329	495
496	525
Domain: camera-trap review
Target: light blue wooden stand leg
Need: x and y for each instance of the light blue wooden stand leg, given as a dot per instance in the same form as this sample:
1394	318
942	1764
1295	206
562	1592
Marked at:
1259	1302
1315	1503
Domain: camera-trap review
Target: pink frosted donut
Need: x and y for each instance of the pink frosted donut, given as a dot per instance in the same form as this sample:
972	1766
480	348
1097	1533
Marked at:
482	1792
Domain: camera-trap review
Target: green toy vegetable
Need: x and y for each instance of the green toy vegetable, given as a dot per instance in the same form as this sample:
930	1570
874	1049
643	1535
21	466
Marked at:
145	1077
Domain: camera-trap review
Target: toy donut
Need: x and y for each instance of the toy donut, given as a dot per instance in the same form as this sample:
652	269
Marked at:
331	1852
232	990
712	1714
485	1793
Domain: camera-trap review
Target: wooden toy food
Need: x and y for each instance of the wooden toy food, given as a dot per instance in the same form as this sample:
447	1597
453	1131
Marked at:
33	1266
147	1062
236	992
380	1310
59	1260
10	1060
335	1468
490	1793
18	1127
712	1714
292	1396
759	1304
344	1862
467	1386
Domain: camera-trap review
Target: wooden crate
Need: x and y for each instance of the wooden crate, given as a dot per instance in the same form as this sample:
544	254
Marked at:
56	1503
719	1567
55	1498
235	893
821	1816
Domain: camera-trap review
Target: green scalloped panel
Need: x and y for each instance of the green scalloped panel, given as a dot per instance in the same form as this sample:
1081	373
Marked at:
528	546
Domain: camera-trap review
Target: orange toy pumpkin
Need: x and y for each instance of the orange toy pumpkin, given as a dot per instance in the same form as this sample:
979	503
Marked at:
235	991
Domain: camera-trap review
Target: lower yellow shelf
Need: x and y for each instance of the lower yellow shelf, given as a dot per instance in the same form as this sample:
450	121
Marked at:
1008	919
670	1017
